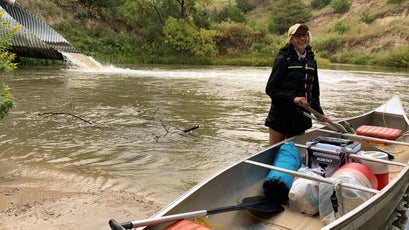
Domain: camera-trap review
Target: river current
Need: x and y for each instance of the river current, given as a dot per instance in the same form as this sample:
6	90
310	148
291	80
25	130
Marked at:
123	127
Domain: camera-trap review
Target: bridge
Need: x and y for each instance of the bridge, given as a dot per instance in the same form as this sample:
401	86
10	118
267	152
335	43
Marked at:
35	39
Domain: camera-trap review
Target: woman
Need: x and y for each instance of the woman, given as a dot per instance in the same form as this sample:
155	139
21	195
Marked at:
292	85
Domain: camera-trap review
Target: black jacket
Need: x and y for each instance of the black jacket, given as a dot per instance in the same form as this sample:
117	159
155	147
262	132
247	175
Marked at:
292	78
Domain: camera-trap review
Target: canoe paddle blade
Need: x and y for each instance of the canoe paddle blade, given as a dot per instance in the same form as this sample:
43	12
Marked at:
261	204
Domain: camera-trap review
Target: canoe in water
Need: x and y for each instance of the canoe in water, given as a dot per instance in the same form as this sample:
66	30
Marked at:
236	199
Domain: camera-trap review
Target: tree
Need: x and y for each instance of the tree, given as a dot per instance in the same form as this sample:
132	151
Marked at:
186	39
6	64
286	13
229	13
246	5
236	38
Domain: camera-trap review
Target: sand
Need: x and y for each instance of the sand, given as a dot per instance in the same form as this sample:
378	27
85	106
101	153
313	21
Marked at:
23	206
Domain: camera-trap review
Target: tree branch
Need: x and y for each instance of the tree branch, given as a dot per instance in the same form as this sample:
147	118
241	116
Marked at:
63	113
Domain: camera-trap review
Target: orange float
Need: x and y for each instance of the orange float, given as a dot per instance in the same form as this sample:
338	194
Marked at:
186	225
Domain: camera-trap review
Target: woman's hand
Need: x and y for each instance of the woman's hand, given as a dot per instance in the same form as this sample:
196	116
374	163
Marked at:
324	118
301	101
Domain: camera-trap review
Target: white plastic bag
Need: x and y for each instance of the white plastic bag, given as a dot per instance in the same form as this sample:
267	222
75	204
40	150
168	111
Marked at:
303	196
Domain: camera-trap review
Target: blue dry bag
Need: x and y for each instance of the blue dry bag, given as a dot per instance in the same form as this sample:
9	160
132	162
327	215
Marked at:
277	184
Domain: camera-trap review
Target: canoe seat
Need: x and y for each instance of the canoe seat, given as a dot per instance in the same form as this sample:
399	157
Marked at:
378	132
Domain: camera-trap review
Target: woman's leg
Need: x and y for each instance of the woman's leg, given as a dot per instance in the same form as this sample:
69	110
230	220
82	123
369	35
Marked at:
275	136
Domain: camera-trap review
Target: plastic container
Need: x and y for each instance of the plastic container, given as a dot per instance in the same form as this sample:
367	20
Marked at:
380	170
352	173
361	168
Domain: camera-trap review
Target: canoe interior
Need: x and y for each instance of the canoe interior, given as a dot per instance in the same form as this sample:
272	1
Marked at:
242	180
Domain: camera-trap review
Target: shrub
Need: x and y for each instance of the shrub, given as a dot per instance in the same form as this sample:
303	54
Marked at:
395	1
341	6
398	58
339	28
319	4
245	5
236	38
186	39
366	17
329	44
6	102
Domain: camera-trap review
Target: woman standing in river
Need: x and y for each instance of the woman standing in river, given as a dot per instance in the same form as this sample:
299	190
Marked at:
292	85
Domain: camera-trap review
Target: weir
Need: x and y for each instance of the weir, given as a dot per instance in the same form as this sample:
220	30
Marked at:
36	39
82	61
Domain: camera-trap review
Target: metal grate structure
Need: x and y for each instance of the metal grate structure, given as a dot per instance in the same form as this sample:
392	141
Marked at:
35	39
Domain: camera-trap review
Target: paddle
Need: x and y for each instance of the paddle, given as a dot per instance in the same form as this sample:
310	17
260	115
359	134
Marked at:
255	203
365	145
331	124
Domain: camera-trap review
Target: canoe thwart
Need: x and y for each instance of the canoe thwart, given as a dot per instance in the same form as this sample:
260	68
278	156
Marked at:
366	138
319	179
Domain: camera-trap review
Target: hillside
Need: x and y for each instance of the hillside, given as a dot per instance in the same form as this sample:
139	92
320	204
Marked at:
385	31
390	28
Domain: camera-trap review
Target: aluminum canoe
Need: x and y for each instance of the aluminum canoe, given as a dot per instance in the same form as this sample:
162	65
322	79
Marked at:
240	180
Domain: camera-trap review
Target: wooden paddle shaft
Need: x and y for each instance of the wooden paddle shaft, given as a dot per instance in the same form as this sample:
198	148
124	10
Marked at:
331	123
324	123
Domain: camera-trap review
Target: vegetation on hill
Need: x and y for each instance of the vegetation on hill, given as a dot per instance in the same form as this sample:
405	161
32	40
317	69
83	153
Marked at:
240	32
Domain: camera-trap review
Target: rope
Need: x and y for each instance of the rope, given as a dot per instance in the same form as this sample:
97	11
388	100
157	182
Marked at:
383	116
204	220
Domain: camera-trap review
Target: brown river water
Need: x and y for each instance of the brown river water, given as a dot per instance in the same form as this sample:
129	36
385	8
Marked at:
119	131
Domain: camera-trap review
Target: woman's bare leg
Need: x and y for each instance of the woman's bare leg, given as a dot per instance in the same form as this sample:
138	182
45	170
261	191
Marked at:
275	136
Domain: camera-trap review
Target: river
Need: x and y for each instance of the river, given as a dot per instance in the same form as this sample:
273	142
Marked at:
121	129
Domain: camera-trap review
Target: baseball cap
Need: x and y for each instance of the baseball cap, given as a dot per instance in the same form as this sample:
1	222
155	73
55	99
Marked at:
294	28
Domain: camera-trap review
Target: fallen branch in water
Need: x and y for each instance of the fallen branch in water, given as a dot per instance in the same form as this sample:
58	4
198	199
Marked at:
191	129
164	127
172	130
183	130
63	113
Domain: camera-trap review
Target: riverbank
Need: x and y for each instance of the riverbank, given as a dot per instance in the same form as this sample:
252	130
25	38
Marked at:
26	205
